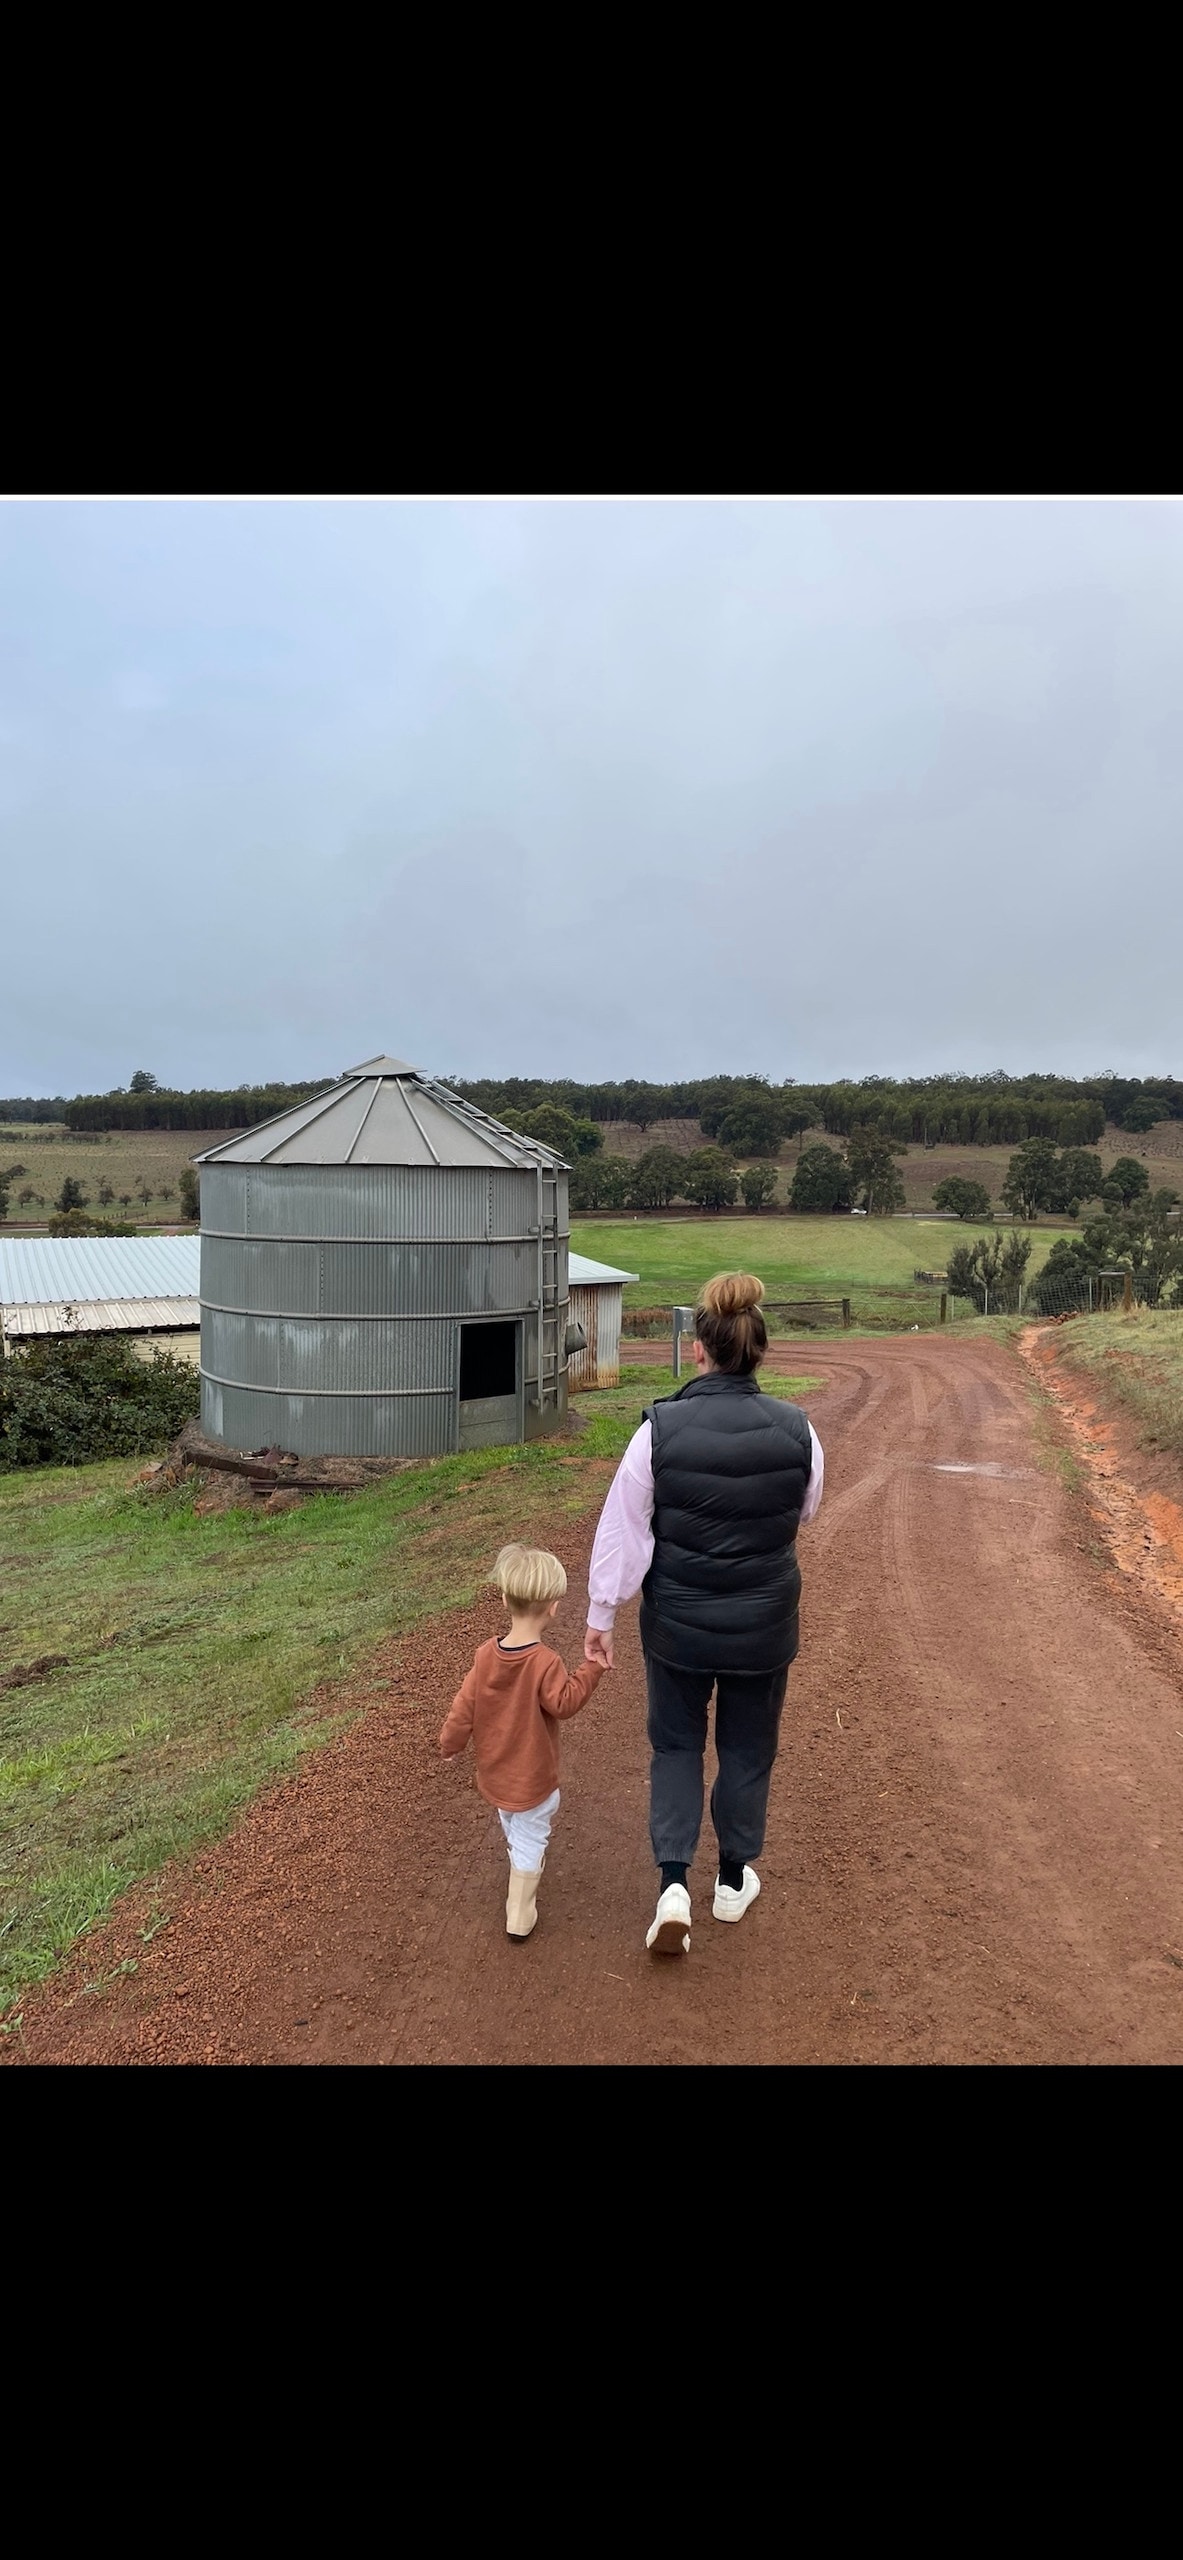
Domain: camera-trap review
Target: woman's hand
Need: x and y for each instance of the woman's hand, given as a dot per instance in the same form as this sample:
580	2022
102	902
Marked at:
597	1647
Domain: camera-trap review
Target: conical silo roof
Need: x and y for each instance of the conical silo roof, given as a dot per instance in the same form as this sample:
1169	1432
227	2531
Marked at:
383	1112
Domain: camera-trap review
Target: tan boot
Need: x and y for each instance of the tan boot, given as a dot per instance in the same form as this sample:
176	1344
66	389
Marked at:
521	1909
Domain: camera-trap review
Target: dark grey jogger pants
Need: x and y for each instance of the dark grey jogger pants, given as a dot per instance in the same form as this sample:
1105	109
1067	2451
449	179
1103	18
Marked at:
747	1728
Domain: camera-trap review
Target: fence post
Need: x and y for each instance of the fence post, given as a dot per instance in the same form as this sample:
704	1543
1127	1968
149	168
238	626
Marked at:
683	1323
846	1315
944	1306
1127	1295
985	1297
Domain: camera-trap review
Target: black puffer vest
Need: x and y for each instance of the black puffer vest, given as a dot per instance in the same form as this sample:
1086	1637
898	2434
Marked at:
730	1468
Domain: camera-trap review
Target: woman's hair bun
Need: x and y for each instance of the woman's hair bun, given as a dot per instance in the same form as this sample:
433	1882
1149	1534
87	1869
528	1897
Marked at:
730	1292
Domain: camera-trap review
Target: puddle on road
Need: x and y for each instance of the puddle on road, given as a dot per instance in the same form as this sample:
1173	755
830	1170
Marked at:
983	1467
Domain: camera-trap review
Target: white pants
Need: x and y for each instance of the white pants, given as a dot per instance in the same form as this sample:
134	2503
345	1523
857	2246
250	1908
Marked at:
528	1833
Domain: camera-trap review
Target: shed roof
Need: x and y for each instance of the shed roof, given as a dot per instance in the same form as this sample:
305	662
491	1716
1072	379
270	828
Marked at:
99	1315
383	1112
594	1275
75	1270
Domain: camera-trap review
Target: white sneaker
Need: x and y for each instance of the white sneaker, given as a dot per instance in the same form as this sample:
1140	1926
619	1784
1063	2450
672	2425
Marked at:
670	1933
732	1902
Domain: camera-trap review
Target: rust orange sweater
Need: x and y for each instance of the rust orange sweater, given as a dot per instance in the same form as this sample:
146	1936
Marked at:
510	1705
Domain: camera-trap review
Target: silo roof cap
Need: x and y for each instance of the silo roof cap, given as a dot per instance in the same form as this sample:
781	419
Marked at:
384	1112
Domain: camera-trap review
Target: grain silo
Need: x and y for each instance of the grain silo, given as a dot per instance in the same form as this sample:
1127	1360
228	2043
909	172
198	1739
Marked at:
383	1274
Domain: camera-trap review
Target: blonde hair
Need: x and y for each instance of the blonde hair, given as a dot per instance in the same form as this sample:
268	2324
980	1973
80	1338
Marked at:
728	1322
528	1578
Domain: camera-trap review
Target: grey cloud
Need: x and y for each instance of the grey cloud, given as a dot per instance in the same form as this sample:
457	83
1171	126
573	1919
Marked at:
588	789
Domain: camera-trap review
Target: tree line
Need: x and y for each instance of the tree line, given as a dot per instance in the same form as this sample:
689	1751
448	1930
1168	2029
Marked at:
746	1114
826	1180
752	1116
863	1174
147	1105
703	1180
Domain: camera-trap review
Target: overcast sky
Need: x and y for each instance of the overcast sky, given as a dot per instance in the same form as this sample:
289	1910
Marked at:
589	790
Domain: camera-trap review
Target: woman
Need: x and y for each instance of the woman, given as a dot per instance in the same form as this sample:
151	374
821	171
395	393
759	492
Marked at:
702	1518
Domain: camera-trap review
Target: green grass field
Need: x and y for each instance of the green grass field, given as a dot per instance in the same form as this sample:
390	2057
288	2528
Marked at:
792	1256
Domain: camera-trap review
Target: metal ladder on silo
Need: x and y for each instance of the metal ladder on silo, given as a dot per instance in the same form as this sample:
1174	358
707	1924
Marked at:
548	1288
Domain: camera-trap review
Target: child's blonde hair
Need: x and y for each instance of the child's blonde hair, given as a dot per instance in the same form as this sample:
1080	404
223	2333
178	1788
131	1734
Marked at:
528	1578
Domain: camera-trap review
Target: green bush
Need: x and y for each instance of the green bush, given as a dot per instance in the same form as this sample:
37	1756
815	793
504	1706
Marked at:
88	1396
758	1185
656	1179
600	1182
1125	1182
822	1181
753	1127
708	1181
990	1272
872	1171
570	1137
965	1199
1081	1179
83	1222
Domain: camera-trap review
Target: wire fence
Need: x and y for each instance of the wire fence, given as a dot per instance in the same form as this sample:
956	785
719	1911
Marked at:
929	1302
1089	1294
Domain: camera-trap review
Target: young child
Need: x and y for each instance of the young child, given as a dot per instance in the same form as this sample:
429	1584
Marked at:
511	1705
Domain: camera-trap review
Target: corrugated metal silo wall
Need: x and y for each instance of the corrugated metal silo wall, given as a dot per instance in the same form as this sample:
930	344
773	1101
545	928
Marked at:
332	1298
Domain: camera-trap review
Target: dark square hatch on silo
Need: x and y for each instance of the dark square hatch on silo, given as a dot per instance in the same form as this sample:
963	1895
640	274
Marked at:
488	1360
490	1385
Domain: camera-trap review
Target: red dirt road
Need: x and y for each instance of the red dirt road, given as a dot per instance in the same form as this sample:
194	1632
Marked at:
975	1851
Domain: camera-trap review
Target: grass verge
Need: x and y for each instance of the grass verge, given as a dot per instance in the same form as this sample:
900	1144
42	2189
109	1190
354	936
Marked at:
1138	1360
